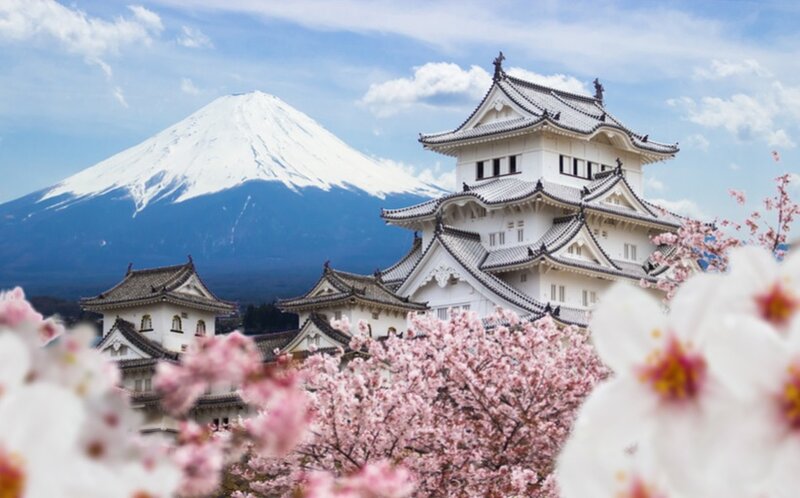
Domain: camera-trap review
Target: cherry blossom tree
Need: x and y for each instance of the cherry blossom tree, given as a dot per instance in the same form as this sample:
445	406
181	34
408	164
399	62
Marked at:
704	246
468	410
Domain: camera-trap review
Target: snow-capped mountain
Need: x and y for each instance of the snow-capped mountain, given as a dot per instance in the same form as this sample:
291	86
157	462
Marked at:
232	140
256	191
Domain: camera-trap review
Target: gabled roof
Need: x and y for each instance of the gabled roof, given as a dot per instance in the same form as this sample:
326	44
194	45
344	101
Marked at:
466	249
318	322
128	330
343	288
503	191
542	107
269	343
398	272
164	284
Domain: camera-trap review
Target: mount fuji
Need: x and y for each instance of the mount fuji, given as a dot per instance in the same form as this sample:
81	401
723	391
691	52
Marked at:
257	192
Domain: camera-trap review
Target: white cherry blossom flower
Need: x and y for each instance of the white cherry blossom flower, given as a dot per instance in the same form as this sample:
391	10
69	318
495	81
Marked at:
758	286
38	456
663	393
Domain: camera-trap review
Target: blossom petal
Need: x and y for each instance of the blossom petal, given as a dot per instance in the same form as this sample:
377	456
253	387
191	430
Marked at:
752	264
746	355
15	359
618	412
30	424
694	306
624	343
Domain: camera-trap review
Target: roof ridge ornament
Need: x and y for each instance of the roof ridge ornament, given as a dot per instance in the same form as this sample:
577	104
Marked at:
439	224
598	90
618	169
498	67
557	116
464	186
531	252
326	266
130	269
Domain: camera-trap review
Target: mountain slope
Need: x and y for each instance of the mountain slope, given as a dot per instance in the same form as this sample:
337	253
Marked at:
232	140
258	193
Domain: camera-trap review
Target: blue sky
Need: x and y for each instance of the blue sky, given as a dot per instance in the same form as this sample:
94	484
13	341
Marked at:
82	80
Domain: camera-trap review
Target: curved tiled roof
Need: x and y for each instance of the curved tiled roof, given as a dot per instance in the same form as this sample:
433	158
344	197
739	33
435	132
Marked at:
400	270
547	106
467	249
508	190
155	285
137	339
268	343
364	288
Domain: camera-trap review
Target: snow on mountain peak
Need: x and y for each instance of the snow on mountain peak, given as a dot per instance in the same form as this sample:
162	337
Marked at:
234	139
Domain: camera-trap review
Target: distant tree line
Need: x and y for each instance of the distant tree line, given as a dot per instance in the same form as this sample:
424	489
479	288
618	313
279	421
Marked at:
266	317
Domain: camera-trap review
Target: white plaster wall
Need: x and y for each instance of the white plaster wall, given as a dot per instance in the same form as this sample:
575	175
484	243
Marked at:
529	164
574	285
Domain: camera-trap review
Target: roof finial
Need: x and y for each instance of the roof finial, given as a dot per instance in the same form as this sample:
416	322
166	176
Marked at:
326	266
416	235
619	166
130	268
498	67
598	90
439	223
464	186
191	261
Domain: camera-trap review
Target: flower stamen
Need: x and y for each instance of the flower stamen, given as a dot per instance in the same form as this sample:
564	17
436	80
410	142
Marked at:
777	305
674	373
12	476
790	397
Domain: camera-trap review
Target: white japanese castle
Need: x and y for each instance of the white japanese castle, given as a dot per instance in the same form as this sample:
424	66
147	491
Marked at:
550	213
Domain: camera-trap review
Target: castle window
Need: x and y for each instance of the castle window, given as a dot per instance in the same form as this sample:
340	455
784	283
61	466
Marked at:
441	313
557	293
563	164
512	165
375	315
337	315
479	170
137	385
147	323
520	234
496	167
502	238
523	277
201	328
589	297
492	239
177	326
148	384
630	252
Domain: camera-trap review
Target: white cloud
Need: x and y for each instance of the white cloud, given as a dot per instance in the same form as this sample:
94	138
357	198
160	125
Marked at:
147	17
120	96
653	183
445	84
697	141
794	181
193	38
560	81
734	167
73	30
188	86
684	207
745	116
725	69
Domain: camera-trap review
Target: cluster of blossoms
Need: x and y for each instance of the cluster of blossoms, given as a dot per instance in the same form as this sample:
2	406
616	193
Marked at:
69	431
65	430
467	410
704	246
705	400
